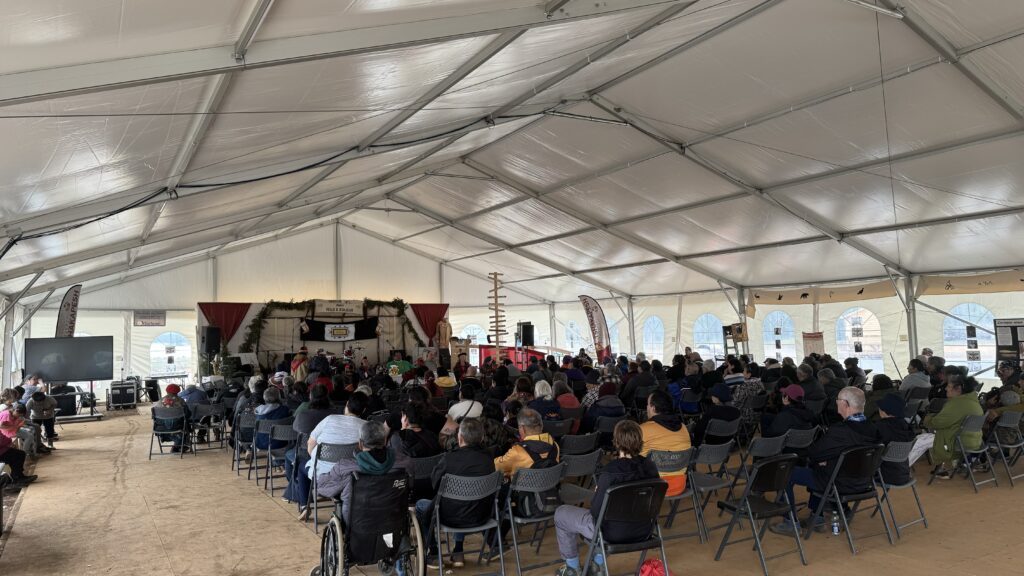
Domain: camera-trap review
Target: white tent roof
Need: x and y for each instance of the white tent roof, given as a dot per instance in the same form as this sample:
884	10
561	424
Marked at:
635	147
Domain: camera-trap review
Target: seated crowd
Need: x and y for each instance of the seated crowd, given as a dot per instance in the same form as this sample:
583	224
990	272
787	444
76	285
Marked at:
478	421
27	417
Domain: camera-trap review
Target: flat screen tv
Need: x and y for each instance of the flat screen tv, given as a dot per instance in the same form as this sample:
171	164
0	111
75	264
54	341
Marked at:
70	359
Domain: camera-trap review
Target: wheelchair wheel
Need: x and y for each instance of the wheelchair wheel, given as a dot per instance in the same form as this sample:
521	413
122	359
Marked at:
332	551
415	559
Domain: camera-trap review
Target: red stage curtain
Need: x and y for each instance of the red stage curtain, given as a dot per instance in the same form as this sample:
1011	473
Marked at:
429	315
225	315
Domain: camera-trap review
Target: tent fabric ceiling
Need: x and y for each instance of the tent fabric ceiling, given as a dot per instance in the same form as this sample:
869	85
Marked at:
642	149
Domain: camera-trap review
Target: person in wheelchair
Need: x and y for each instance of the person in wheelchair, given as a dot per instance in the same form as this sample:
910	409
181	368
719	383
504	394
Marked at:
373	458
372	521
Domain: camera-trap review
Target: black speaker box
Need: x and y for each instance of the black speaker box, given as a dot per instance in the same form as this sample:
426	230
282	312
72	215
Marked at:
526	334
210	340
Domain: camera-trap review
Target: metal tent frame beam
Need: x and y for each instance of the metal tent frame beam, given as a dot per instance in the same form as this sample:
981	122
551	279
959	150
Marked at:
49	83
760	194
622	235
945	48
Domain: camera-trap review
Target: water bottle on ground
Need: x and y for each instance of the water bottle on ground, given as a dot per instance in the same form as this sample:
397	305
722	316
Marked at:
835	523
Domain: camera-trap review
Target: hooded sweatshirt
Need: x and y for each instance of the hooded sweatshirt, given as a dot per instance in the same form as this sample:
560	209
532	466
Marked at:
338	482
666	432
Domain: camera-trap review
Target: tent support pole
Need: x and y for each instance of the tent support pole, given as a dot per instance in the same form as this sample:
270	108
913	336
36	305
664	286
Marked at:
908	291
632	326
679	324
957	318
553	328
35	309
741	312
337	261
14	299
729	298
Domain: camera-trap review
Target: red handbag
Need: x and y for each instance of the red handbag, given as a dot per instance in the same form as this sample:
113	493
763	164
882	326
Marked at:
652	567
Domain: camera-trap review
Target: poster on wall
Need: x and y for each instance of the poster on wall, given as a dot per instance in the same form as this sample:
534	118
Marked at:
428	355
1009	339
149	318
974	355
338	307
814	342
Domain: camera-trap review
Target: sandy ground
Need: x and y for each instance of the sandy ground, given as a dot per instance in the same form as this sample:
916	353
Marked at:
101	507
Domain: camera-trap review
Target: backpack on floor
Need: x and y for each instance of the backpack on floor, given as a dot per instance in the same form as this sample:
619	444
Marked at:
652	567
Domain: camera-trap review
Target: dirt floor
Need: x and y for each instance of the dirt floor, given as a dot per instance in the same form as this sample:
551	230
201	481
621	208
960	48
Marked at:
101	507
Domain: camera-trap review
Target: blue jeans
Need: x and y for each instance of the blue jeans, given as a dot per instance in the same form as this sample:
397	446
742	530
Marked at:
298	481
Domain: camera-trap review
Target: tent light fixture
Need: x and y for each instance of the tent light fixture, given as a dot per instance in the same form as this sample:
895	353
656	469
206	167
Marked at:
875	8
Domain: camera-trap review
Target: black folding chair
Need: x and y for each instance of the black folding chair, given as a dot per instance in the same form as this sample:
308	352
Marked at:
969	456
244	425
470	489
629	502
579	444
899	453
578	476
701	485
605	426
770	475
209	418
325	453
558	428
759	448
531	481
276	456
1008	428
675	462
860	463
263	428
179	428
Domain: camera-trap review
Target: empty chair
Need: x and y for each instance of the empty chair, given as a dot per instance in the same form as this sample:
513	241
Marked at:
674	462
899	452
558	428
578	477
579	444
861	463
604	426
759	448
701	484
422	468
1009	441
770	475
244	433
629	502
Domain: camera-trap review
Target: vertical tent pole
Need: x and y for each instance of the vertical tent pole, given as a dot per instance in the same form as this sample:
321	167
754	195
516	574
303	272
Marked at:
908	291
337	260
632	326
554	334
741	306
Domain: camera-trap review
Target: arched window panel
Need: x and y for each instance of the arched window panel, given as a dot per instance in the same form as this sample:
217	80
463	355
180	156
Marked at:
779	336
577	337
859	335
966	345
170	353
654	338
707	336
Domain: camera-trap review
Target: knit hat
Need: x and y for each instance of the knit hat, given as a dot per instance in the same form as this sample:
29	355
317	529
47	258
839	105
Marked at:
722	392
892	405
606	390
794	392
593	377
173	389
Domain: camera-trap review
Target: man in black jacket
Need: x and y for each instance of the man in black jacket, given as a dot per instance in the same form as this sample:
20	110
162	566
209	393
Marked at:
721	409
853	432
470	459
643	380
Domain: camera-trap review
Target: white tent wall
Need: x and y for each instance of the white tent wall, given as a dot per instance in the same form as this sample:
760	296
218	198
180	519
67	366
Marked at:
177	289
299	267
371	268
143	363
694	306
892	319
930	324
573	329
762	346
461	317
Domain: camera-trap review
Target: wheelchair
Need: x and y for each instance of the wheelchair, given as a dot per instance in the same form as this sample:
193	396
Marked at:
382	530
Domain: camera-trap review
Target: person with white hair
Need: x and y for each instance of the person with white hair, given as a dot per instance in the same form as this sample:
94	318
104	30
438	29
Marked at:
544	402
855	431
271	409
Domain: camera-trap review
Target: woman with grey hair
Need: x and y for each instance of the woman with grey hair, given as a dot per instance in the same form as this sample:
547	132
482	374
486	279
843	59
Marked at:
271	409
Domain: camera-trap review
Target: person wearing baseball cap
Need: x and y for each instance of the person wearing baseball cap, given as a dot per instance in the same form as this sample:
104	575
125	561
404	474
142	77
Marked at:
793	415
721	409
